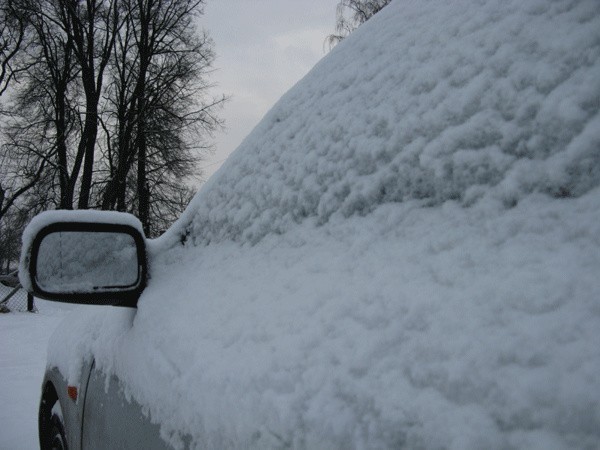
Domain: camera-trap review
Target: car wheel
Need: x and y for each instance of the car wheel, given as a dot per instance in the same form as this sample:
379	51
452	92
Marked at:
58	440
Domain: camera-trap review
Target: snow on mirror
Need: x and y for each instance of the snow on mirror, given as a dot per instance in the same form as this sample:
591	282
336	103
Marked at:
84	262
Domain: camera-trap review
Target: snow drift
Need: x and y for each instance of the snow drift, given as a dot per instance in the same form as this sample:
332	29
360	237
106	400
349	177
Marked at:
430	101
403	254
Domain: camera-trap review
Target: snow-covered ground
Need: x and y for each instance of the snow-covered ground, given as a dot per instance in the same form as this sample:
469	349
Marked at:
403	254
23	345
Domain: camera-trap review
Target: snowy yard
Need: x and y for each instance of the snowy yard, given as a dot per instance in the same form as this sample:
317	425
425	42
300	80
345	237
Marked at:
23	343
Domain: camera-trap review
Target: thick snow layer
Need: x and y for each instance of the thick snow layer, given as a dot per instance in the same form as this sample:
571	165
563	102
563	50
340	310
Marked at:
449	327
403	254
430	100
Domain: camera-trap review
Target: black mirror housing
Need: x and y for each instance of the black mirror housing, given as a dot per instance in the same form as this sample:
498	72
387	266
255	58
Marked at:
86	257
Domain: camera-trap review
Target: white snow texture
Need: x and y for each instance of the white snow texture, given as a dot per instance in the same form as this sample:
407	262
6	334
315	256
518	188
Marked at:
403	254
429	100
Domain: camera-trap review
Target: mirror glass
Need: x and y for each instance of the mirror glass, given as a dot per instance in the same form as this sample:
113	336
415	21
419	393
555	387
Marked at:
85	261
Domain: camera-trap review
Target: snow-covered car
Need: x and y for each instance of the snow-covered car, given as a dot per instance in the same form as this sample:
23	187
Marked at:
404	253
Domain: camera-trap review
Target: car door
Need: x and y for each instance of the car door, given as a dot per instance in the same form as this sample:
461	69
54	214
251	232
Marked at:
111	421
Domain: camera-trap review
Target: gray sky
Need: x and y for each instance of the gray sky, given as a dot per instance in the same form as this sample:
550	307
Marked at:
263	48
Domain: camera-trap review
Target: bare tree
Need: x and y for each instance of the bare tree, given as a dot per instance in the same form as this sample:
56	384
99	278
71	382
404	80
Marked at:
19	175
92	25
25	189
48	97
11	227
159	90
352	13
12	40
112	110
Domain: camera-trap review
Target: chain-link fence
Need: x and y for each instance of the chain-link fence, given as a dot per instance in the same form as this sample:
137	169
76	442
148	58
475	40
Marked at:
13	297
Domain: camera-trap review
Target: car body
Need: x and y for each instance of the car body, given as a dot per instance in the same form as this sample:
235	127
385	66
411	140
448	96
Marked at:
109	421
402	254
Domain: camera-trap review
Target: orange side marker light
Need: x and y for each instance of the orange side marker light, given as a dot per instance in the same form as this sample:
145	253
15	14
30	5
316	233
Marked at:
72	392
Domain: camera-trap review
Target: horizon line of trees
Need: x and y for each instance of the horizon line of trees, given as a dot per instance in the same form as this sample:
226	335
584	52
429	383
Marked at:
105	104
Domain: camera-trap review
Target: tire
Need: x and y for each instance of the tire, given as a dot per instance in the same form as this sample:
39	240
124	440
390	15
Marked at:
58	440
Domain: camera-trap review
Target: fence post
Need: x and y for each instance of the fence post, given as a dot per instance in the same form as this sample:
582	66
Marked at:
29	302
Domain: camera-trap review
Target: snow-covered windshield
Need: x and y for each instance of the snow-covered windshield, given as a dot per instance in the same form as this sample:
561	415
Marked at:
432	101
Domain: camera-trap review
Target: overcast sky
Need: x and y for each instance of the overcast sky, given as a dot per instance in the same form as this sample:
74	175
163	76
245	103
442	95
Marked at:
263	48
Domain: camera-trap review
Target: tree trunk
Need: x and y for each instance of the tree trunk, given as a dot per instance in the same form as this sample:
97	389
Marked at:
66	195
143	193
89	143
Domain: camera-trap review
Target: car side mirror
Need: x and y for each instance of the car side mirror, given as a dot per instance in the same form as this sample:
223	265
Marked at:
87	257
